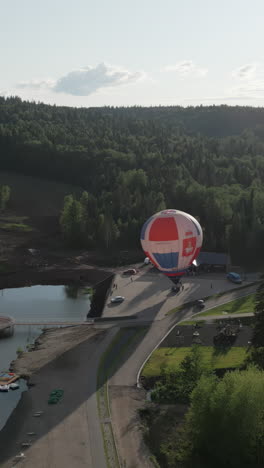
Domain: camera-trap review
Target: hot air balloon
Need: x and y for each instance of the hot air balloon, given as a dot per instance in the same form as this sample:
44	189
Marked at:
172	240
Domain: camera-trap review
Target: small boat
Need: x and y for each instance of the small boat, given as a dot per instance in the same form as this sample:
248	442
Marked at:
4	388
19	457
14	386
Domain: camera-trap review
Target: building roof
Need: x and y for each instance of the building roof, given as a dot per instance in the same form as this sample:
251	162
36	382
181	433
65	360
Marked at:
212	258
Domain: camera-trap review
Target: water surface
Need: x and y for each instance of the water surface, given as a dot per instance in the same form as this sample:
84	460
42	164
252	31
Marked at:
34	304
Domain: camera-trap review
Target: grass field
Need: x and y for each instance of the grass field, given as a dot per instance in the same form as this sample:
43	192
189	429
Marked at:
212	359
192	322
242	305
16	227
221	294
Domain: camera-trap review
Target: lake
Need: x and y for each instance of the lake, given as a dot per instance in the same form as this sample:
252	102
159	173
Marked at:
34	304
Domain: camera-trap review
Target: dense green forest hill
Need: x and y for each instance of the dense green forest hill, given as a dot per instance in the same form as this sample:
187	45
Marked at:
208	161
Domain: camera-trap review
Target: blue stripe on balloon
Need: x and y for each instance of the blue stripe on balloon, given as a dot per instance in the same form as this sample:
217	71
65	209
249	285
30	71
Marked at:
144	227
167	260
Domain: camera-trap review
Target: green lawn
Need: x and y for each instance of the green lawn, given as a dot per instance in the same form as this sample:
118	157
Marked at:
178	308
13	219
212	359
192	322
221	294
242	305
16	227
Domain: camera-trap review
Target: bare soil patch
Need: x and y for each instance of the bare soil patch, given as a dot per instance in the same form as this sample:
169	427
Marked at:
125	402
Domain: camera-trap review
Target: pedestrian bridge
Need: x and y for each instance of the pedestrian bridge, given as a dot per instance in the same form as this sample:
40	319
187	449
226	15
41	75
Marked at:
56	324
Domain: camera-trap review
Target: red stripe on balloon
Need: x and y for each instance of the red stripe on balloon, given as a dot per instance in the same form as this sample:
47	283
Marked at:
163	229
174	274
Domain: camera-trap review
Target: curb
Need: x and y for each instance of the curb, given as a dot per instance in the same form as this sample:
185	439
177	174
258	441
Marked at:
169	331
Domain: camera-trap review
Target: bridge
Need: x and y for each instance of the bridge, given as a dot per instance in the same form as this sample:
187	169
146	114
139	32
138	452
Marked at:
8	322
56	324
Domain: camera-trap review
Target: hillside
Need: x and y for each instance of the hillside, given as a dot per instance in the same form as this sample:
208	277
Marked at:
132	162
33	196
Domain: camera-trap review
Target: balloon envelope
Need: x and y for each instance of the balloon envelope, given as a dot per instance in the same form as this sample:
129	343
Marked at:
172	240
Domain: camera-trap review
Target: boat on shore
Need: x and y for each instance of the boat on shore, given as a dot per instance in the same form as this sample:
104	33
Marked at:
6	378
4	388
14	386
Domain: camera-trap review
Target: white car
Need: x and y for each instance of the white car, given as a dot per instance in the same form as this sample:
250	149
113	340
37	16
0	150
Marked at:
146	261
117	299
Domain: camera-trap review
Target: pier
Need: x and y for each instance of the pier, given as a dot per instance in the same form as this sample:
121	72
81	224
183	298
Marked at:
52	324
7	325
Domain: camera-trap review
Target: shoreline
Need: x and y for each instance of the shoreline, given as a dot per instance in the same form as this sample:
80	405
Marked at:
63	358
54	342
57	275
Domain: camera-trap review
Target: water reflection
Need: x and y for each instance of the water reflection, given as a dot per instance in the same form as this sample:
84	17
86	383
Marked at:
71	291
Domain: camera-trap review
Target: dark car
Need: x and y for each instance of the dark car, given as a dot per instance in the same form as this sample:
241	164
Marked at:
175	289
234	277
200	303
130	271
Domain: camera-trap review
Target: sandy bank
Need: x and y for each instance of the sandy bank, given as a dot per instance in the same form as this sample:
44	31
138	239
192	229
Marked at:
52	343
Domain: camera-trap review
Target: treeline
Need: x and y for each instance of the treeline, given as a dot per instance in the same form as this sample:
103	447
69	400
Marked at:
132	162
4	196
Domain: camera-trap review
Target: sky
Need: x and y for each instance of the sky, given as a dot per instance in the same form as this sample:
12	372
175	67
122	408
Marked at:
88	53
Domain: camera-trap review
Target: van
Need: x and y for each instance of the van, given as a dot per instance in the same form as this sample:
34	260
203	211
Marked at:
234	277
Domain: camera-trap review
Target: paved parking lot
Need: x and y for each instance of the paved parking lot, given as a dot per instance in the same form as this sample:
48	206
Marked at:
148	294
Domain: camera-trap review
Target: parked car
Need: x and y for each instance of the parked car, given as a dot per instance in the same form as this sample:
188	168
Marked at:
234	277
200	303
175	289
130	271
146	261
117	299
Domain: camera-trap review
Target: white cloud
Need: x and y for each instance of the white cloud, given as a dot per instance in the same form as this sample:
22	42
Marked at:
249	82
36	84
86	81
245	72
186	68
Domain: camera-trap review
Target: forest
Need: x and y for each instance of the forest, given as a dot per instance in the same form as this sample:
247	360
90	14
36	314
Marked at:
131	162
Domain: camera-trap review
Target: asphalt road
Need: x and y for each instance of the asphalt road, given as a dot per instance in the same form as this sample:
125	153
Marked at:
149	296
